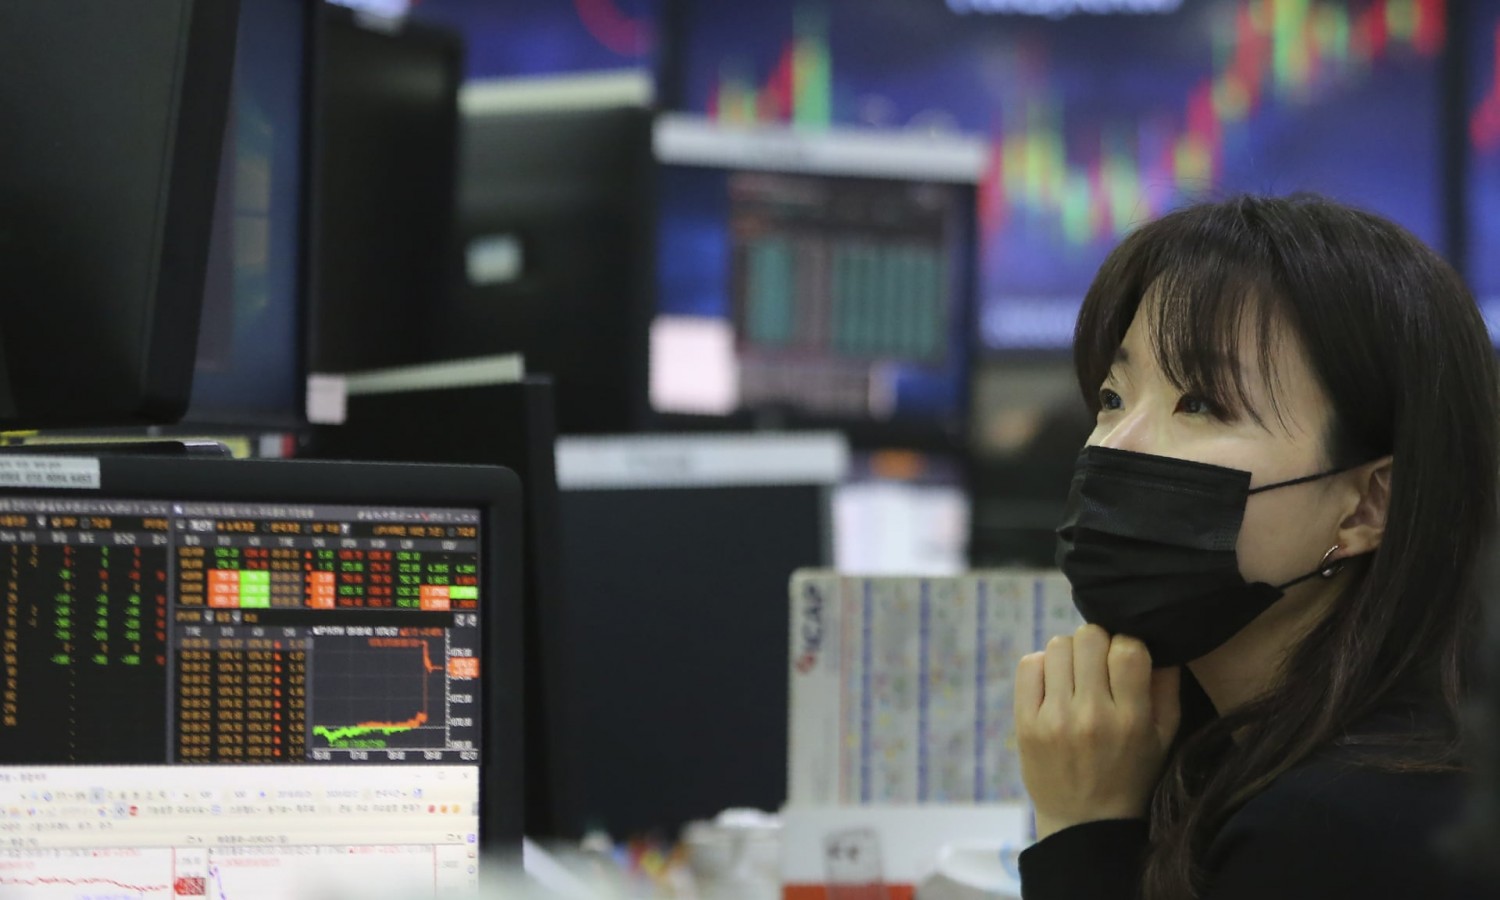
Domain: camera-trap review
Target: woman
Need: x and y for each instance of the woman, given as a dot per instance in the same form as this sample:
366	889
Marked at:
1294	465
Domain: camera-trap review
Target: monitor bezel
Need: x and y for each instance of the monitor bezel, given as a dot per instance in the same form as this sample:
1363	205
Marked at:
495	491
323	341
293	417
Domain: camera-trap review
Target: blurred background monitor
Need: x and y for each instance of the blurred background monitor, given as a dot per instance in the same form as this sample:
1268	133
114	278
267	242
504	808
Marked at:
1481	37
385	167
542	39
251	352
554	238
508	423
1341	98
115	115
681	549
807	280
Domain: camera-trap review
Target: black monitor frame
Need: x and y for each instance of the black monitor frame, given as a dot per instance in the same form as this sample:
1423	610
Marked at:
511	425
491	489
307	257
52	284
574	189
327	346
720	666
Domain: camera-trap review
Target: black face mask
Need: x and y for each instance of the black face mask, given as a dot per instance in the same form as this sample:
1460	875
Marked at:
1148	543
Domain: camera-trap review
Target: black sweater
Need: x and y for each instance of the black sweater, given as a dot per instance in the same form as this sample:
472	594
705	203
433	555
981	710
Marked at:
1326	830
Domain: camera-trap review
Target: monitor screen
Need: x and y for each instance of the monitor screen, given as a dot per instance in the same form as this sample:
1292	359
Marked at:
1483	177
1100	116
832	298
540	38
1339	98
230	699
250	339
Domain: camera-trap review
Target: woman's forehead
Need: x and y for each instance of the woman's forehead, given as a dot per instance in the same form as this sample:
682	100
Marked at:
1239	331
1259	360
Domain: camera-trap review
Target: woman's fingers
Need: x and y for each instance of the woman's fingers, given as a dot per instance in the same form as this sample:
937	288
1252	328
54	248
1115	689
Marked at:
1091	676
1093	725
1130	675
1030	689
1057	668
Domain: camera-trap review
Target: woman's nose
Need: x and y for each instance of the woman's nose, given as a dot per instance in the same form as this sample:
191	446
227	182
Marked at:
1131	431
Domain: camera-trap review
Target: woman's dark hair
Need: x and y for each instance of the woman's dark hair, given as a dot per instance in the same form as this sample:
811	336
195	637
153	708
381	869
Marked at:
1405	359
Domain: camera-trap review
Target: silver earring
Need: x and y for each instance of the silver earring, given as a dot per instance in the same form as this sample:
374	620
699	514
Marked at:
1330	567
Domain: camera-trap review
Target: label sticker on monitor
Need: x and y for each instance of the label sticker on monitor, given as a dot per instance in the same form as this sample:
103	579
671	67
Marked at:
66	472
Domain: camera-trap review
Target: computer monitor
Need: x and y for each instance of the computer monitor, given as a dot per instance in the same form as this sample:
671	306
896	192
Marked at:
676	648
257	678
115	117
509	424
250	344
554	221
814	279
384	175
1481	31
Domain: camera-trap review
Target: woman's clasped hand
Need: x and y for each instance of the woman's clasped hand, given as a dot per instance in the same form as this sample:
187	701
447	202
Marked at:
1094	723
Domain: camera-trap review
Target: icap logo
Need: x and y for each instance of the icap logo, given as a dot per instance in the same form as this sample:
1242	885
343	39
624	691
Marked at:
810	631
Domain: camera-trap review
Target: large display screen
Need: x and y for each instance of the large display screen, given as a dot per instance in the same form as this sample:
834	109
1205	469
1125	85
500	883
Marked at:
1483	178
1103	118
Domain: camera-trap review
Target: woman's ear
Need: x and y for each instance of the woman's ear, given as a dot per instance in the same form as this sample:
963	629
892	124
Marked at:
1361	530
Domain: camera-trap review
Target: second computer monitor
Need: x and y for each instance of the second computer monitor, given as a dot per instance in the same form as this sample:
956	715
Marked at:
813	280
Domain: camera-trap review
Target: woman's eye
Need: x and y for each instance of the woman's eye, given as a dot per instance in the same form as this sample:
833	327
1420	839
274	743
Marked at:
1109	400
1195	406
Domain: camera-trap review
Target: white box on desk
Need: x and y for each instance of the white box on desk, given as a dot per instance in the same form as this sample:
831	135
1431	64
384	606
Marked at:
829	853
